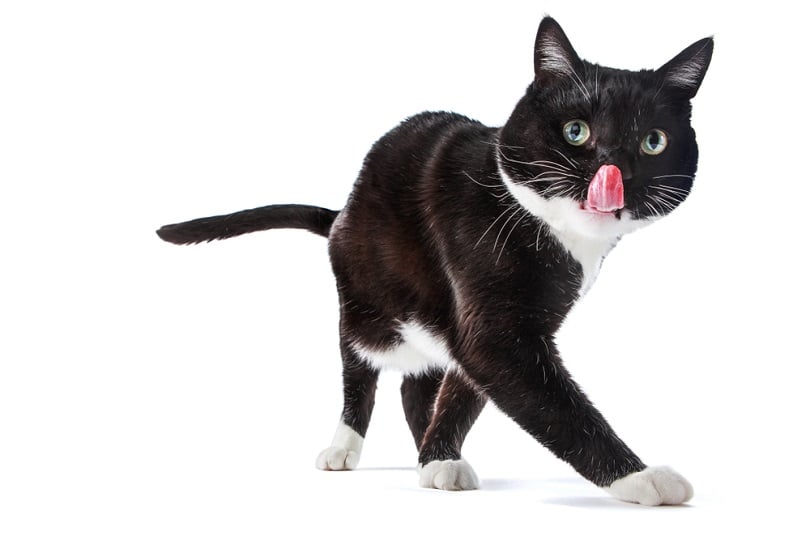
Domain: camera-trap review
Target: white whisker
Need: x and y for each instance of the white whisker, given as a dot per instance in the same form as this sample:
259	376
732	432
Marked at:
517	222
498	144
510	207
550	164
566	158
505	223
690	177
548	179
578	82
538	163
481	184
671	189
669	197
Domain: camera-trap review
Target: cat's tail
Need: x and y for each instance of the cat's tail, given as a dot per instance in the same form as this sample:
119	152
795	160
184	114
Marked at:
277	216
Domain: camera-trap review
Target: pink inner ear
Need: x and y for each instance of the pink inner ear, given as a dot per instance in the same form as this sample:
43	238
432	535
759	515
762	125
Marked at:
606	190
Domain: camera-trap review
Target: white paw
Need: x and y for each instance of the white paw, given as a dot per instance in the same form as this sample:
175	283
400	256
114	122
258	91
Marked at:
450	475
344	454
336	458
652	487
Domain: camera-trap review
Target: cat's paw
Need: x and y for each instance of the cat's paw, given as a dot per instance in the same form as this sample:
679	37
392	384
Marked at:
653	486
344	454
337	458
449	475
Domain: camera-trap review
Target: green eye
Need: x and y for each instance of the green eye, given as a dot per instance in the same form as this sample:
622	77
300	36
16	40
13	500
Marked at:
576	132
654	142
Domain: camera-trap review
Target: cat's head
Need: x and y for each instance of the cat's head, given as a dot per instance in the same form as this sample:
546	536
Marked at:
601	151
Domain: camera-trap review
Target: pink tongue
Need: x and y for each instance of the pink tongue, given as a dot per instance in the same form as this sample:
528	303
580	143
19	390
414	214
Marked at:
606	191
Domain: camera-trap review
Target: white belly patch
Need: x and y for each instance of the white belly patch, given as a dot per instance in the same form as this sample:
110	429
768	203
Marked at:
419	351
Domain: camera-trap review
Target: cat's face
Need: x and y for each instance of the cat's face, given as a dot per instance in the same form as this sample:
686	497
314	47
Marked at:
601	151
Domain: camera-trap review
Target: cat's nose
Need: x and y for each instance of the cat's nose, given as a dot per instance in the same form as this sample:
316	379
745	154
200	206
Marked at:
620	158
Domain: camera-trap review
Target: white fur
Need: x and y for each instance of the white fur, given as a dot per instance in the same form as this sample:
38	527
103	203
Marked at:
555	58
419	351
653	486
686	75
587	236
449	475
344	453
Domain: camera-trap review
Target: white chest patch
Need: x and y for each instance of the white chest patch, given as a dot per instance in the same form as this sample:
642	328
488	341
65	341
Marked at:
419	351
589	252
587	237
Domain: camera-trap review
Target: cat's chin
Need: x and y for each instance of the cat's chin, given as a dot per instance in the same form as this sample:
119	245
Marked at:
574	216
595	211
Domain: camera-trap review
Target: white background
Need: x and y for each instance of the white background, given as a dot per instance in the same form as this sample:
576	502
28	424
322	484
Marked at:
154	391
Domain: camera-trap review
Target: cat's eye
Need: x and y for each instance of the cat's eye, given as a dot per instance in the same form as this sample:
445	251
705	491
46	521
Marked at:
576	132
654	142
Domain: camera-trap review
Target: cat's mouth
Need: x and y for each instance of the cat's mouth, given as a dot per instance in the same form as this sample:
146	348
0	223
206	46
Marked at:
617	213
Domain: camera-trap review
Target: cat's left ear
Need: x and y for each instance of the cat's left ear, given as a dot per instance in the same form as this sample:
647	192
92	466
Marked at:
685	72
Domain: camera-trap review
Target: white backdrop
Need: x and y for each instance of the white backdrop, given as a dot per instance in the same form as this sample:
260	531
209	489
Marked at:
149	390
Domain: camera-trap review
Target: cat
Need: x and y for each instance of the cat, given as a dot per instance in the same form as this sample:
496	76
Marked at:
462	248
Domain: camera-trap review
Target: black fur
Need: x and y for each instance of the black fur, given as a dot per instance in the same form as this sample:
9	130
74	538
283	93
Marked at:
290	216
431	234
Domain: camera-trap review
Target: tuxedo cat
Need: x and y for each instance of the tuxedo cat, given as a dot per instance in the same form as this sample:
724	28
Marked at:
462	248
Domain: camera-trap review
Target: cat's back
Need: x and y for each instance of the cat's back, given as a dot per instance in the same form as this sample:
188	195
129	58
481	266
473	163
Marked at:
409	147
399	166
382	234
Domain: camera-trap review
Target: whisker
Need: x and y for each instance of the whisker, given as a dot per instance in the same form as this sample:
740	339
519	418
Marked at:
481	184
553	172
538	163
650	208
562	190
665	206
505	223
572	190
550	164
690	177
566	158
671	189
498	144
510	207
669	197
517	222
541	180
574	76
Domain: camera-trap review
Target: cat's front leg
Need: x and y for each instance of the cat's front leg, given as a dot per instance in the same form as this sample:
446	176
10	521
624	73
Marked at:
533	387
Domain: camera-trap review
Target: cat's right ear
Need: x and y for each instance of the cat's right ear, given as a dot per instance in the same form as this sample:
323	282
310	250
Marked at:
684	73
554	57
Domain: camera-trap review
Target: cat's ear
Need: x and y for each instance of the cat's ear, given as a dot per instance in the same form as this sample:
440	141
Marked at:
685	72
554	57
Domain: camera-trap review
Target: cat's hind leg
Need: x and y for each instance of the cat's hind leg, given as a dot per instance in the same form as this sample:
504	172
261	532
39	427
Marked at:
419	392
359	388
457	407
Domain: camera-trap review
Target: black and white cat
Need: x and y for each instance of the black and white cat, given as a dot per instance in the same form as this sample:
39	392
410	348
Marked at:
462	248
